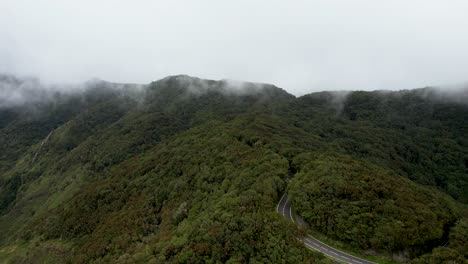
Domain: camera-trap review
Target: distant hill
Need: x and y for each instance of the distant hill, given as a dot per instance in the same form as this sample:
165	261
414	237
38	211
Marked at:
186	170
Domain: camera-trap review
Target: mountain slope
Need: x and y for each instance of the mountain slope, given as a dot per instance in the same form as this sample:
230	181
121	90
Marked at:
190	170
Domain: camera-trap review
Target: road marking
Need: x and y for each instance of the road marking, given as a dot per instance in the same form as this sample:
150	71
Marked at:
326	249
290	214
344	254
332	257
277	207
284	208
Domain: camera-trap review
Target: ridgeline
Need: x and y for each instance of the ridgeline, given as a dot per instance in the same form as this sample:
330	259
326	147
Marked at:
185	170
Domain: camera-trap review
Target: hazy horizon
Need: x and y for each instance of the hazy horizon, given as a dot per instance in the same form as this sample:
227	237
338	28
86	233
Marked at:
300	46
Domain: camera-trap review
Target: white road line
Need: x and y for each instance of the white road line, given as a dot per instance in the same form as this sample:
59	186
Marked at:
346	254
290	214
326	249
284	207
277	207
312	248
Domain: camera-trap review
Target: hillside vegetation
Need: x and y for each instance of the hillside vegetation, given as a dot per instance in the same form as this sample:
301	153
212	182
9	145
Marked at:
186	170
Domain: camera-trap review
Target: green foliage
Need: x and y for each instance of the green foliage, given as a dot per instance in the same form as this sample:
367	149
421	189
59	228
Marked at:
190	171
369	207
203	196
9	187
418	135
454	251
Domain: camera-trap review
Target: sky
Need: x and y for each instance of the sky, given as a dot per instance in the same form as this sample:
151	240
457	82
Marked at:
301	46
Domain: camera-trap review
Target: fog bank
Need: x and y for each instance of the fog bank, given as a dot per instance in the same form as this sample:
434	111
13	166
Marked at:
302	46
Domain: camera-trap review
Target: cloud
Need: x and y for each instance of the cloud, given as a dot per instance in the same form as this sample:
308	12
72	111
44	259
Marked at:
451	93
301	46
30	92
14	91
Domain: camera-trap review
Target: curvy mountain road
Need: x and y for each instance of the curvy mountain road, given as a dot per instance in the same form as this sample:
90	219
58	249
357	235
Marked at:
285	209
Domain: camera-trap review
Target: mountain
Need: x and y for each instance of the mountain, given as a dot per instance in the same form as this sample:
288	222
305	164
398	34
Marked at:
186	170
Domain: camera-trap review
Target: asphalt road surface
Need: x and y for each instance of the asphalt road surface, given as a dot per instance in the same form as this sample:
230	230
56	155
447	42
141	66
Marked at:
285	209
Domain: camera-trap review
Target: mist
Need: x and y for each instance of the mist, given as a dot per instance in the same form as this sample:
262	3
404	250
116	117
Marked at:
16	91
301	46
29	91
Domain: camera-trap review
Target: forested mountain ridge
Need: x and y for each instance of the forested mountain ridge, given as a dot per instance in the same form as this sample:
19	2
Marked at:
185	170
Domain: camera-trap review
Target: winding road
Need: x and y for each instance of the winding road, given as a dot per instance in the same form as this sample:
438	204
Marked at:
285	209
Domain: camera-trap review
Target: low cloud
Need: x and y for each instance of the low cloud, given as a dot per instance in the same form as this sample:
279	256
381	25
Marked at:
28	91
15	91
301	46
451	93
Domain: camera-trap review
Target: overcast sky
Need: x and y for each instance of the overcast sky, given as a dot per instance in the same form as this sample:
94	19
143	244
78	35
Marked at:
301	46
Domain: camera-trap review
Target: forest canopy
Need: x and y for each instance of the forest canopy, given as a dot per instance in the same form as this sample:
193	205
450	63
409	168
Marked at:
185	170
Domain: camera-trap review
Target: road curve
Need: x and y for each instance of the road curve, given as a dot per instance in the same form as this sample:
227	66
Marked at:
285	209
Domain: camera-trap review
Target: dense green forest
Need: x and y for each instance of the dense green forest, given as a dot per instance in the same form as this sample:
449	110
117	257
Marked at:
185	170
